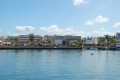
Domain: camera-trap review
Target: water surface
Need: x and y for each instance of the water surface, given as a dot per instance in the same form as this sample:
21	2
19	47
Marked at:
59	65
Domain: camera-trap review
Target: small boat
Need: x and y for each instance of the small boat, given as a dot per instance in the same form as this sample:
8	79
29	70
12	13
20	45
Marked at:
112	48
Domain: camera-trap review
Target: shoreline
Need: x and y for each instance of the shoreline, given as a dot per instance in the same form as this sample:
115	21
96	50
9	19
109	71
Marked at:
38	48
53	48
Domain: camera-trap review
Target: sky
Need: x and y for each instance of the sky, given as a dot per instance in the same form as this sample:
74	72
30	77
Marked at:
60	17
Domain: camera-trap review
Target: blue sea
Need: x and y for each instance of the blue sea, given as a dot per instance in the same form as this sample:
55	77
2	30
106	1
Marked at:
59	65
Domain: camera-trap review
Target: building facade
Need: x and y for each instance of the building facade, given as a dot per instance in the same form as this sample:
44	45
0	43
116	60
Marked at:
118	38
91	41
29	38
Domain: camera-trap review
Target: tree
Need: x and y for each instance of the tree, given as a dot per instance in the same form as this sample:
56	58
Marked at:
49	41
101	41
107	37
78	42
64	42
31	37
16	40
113	41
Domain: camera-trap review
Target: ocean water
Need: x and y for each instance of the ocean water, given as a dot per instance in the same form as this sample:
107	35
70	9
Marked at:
59	65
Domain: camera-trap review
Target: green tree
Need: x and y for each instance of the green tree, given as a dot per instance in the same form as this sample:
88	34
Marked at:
49	42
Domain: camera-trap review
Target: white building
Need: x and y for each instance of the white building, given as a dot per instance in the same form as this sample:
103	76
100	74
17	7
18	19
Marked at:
26	38
91	41
70	39
3	38
58	39
23	38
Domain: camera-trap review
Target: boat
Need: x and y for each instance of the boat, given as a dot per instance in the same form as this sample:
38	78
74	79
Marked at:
112	48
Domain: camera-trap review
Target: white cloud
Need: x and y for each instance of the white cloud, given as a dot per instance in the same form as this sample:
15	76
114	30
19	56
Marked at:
79	2
117	25
55	30
101	33
101	19
89	22
51	29
25	29
98	19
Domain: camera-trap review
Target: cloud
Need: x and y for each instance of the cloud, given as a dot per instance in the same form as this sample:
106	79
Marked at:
79	2
101	32
101	19
25	29
98	19
55	30
89	22
116	25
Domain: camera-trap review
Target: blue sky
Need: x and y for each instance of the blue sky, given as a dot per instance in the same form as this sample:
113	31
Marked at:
60	17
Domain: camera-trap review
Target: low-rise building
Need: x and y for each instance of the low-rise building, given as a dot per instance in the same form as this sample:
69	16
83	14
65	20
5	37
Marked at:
29	38
71	39
47	38
23	38
58	39
91	41
3	38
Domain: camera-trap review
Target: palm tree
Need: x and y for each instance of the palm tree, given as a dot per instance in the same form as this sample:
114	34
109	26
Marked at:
16	40
78	42
107	37
31	38
113	41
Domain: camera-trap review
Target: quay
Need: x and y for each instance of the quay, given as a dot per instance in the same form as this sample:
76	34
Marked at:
56	48
38	48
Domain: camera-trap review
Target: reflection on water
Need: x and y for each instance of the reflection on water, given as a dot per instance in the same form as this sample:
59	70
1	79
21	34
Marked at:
59	65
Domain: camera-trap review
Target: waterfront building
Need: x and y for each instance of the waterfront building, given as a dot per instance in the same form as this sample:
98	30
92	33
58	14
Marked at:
118	35
91	41
118	38
68	38
71	39
47	38
3	38
29	38
58	39
23	38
